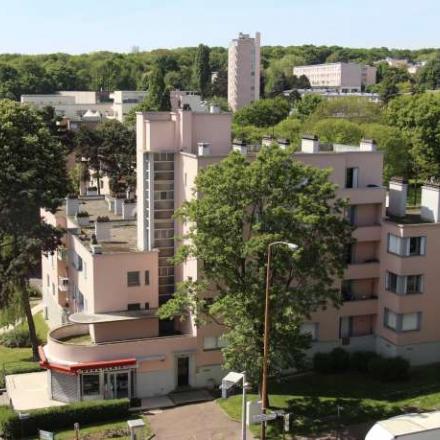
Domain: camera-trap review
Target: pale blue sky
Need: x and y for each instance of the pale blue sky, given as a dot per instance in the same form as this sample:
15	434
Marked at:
42	26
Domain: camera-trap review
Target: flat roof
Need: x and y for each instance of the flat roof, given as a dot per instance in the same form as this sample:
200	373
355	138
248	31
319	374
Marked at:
411	423
97	318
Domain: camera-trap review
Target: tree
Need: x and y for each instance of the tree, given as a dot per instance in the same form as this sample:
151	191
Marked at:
244	207
33	177
338	131
201	70
158	98
118	154
307	105
220	85
263	113
429	76
418	119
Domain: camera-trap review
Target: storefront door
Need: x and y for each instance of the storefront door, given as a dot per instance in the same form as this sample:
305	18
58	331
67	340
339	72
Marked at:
116	385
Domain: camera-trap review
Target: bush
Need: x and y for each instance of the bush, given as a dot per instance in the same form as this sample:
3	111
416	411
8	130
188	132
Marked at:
389	369
340	360
61	417
9	423
82	214
359	360
18	337
322	363
337	361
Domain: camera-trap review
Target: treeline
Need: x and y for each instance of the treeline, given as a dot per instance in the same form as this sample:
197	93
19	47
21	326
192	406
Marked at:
27	74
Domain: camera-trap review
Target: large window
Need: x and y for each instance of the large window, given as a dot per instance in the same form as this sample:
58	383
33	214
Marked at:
406	246
213	342
133	279
402	322
311	329
90	385
403	284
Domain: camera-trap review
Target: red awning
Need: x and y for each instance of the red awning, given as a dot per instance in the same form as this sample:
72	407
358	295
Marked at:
73	369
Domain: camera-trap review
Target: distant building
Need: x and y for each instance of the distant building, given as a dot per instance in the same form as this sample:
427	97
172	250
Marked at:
335	94
243	71
78	105
187	100
403	63
345	77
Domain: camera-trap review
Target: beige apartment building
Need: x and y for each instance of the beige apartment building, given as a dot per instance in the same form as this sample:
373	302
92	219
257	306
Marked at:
102	288
344	77
244	70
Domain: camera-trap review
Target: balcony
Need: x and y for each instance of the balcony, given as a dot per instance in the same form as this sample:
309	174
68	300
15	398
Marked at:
72	344
359	306
363	195
366	269
367	233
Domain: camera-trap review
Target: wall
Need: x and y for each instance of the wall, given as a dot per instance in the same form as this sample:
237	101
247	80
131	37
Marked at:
124	330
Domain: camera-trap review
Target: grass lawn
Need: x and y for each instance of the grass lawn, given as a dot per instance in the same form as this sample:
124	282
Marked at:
16	360
117	429
314	398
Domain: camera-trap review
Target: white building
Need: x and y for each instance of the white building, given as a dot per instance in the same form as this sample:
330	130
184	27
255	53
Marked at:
73	105
345	77
243	71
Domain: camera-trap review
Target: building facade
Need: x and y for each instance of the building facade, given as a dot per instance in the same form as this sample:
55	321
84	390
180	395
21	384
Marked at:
345	77
243	71
102	288
85	106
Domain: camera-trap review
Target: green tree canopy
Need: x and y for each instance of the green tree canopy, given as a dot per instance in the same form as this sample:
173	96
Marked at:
244	207
263	113
201	70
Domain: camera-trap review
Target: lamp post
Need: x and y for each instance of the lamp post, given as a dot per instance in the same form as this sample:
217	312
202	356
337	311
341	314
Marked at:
293	247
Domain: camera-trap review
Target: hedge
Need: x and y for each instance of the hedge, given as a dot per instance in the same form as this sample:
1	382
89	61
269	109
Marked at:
60	417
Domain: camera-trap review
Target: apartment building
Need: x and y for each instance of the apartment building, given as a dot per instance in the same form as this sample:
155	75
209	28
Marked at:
102	288
345	77
243	70
85	106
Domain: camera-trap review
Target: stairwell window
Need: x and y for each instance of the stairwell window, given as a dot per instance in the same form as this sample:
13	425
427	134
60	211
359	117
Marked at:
406	246
147	277
133	279
352	177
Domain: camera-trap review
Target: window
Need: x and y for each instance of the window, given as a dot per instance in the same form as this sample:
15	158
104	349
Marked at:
349	254
53	289
406	246
351	177
133	279
403	284
404	322
91	385
351	214
147	277
134	306
311	329
213	342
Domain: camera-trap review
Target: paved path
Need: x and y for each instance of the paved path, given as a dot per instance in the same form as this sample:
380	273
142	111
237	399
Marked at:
37	309
200	421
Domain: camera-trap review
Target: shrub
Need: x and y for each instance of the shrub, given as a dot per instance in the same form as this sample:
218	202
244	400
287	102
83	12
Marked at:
18	337
322	363
60	417
359	360
82	214
9	423
102	219
340	359
389	369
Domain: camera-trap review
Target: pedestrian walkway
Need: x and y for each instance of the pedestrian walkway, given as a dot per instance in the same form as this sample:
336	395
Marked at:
200	421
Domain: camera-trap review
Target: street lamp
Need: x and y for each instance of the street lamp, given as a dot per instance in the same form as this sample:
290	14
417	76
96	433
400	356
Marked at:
293	247
230	380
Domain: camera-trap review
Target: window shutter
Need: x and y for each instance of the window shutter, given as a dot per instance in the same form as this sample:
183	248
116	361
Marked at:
355	177
405	244
422	245
401	285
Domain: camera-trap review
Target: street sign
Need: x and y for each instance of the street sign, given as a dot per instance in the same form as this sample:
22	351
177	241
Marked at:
260	418
45	435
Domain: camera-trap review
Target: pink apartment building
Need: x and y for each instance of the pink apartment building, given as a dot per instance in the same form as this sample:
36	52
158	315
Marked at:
101	294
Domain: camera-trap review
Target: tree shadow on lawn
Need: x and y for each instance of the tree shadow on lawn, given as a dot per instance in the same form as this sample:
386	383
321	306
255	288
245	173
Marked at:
360	386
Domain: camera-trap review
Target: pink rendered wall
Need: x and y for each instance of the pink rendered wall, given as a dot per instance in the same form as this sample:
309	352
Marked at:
214	128
123	330
428	303
111	292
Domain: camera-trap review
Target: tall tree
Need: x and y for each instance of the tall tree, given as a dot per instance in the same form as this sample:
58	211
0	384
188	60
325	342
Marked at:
201	70
33	177
242	208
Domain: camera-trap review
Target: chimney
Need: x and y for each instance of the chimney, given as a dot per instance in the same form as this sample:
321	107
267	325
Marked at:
72	206
267	141
103	229
397	196
203	149
368	145
214	108
309	144
430	205
240	146
283	143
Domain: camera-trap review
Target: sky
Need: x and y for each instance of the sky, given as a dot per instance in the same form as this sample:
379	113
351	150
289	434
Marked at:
80	26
